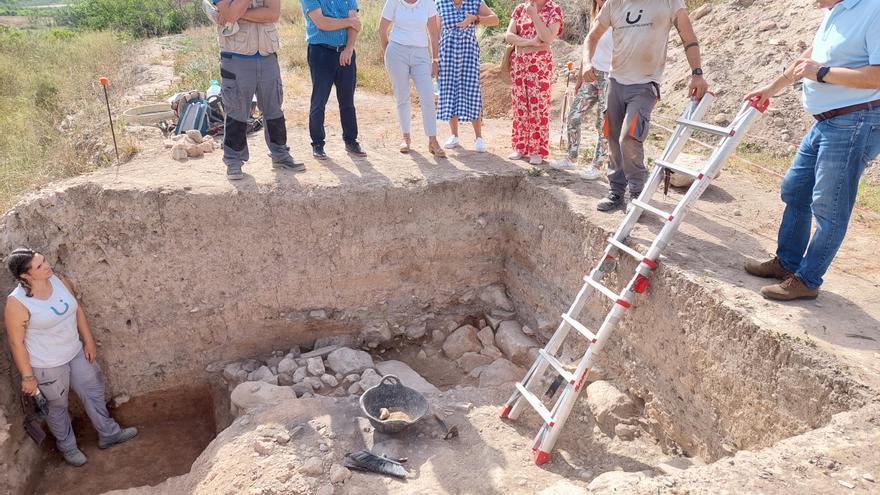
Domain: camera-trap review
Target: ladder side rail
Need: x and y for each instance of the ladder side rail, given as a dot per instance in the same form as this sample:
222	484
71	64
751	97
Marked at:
680	135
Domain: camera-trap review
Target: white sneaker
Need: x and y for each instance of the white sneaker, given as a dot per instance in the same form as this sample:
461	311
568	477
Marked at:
480	145
591	173
564	164
536	159
451	143
516	155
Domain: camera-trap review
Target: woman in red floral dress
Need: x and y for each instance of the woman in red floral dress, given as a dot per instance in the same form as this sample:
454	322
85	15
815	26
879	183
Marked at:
533	26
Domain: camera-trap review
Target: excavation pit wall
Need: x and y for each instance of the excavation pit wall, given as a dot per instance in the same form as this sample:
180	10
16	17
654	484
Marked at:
173	280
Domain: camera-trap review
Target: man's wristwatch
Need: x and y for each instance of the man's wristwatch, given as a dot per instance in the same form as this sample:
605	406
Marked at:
27	378
697	72
821	73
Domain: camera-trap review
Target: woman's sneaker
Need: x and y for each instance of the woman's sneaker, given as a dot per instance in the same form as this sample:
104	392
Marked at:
451	143
516	155
536	160
564	164
480	145
591	173
74	457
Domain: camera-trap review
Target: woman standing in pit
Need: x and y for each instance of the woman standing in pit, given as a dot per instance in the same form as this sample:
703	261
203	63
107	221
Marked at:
55	353
590	97
459	78
533	27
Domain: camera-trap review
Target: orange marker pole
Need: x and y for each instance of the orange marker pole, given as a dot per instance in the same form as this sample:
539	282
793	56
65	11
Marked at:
104	81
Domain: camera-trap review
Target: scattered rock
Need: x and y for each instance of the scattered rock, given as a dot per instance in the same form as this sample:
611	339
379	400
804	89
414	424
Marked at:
701	12
194	135
422	354
263	447
250	365
417	330
314	382
263	374
230	371
282	438
338	474
721	118
301	389
348	361
626	432
351	378
193	151
354	388
315	366
766	26
744	3
319	352
846	484
250	395
610	406
178	151
287	365
470	360
369	379
300	374
314	466
493	321
461	341
344	340
376	335
616	482
563	487
500	372
285	379
486	336
496	296
513	342
119	400
318	314
491	351
207	146
407	375
330	380
868	477
325	490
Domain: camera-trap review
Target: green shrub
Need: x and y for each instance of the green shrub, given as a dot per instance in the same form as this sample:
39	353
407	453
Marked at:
140	18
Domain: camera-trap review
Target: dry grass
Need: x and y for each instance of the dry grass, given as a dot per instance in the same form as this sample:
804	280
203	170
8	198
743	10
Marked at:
53	123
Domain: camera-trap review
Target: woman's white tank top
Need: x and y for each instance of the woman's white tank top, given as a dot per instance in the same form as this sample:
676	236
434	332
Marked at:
51	337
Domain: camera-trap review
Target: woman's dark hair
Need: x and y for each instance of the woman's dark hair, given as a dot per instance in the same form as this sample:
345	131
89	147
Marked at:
18	263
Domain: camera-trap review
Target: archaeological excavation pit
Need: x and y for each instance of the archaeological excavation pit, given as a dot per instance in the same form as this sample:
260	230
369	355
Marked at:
192	293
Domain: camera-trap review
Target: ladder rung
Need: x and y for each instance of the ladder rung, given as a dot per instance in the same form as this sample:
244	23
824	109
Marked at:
566	375
645	206
626	249
579	327
679	168
536	404
610	294
712	129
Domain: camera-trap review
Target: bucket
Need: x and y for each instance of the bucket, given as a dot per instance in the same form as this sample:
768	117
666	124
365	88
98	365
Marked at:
393	395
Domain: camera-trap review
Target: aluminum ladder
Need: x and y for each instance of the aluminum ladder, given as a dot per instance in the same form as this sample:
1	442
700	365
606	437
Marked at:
554	418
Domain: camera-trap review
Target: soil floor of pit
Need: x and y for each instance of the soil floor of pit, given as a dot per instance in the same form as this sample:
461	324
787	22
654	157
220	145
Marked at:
174	428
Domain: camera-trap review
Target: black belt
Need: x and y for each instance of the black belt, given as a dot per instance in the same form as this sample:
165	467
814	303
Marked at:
337	49
233	55
830	114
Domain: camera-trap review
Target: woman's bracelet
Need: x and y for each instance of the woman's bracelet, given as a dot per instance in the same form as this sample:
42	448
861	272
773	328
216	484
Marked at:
786	75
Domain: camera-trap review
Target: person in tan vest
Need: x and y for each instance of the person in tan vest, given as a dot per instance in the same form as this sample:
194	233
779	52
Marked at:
248	66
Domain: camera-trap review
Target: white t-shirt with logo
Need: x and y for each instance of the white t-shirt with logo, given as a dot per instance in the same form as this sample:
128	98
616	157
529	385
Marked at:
640	33
409	21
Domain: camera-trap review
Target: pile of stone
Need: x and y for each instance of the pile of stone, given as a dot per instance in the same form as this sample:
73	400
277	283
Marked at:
189	145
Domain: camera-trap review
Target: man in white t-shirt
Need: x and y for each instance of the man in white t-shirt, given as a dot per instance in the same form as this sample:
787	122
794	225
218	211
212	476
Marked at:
640	34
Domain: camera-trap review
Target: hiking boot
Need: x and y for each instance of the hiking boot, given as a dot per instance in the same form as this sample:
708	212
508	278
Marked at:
788	290
610	202
318	152
74	457
355	149
233	172
124	435
771	268
288	163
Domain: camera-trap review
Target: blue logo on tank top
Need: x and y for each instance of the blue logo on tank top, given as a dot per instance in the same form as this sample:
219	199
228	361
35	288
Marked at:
59	313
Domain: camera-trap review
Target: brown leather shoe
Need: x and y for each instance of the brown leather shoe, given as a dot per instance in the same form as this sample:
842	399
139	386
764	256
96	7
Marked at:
788	290
771	268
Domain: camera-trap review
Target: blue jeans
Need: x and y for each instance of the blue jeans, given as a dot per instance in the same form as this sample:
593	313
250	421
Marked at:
822	182
326	72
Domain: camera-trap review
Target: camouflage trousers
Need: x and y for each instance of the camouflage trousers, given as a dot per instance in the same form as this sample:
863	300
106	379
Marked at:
590	99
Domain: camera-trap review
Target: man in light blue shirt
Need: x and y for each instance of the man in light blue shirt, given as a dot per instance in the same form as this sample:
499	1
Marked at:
332	27
841	73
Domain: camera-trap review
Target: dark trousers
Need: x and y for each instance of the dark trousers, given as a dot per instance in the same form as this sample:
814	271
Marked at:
326	72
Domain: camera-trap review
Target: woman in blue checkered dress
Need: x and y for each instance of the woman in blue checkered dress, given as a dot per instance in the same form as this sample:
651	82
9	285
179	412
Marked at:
458	79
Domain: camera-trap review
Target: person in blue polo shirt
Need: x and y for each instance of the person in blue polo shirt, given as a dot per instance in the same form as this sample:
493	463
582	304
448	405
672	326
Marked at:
248	66
332	27
841	74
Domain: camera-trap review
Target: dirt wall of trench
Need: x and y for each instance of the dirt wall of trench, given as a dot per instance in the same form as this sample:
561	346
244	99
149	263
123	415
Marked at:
713	381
